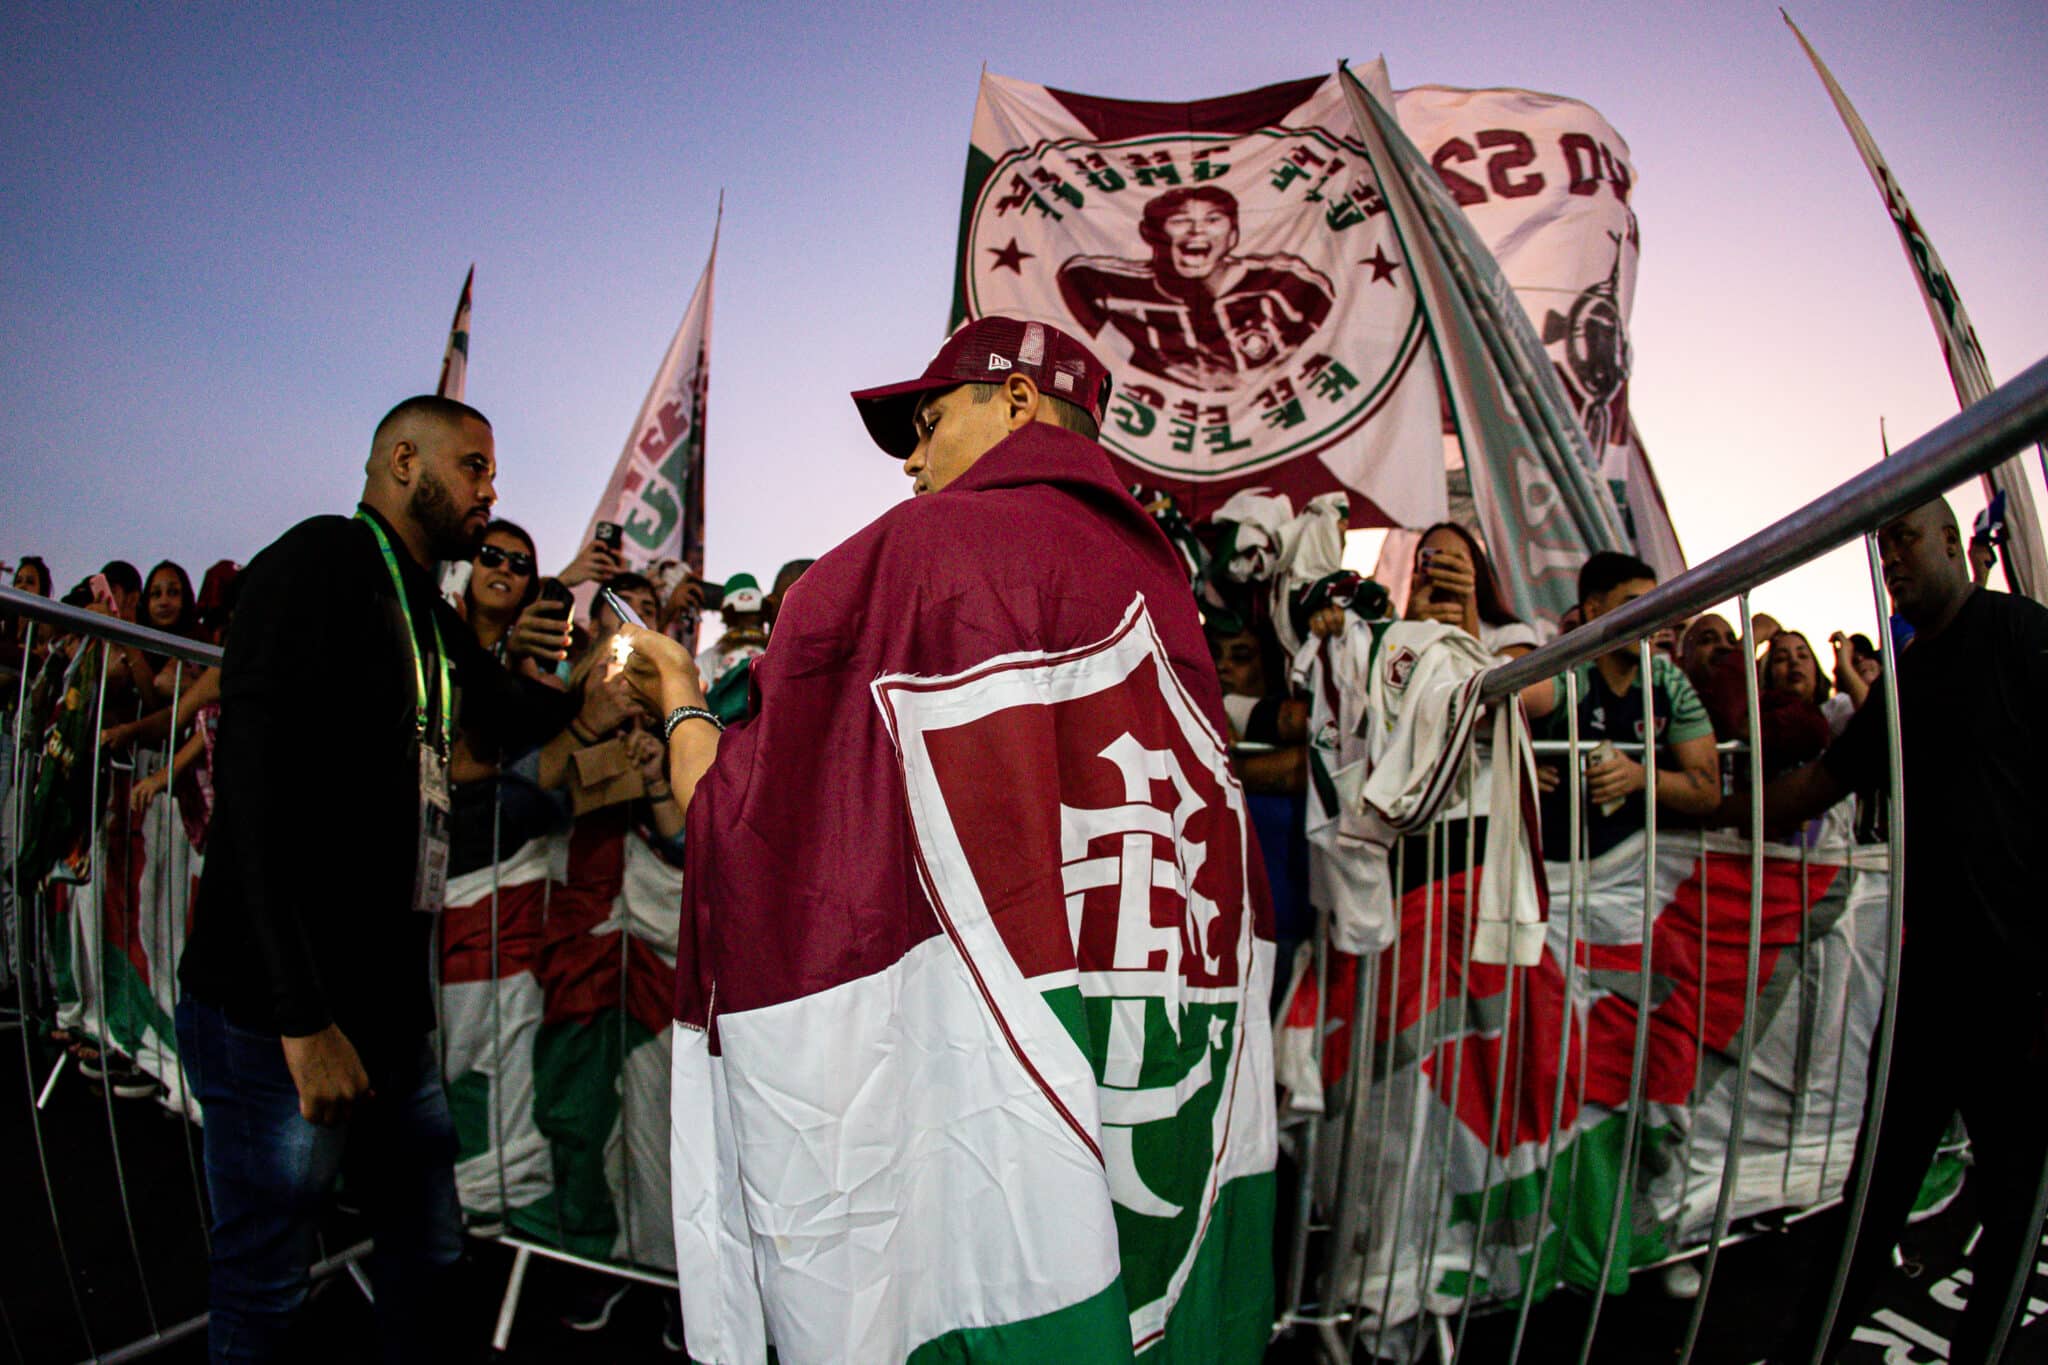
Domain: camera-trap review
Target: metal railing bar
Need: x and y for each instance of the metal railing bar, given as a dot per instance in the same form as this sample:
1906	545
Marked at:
102	872
2013	415
1731	1161
623	1272
119	631
1304	1196
1632	1125
1895	936
1422	1039
178	1331
180	884
1699	1057
1459	1029
18	949
1802	1057
1567	1017
1392	1042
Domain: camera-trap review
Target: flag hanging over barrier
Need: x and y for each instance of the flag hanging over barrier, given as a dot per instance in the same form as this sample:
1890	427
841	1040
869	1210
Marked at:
1455	1124
1542	503
656	491
1545	182
1967	368
455	359
1233	264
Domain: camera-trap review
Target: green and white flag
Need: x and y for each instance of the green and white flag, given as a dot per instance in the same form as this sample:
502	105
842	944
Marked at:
1232	262
1545	182
656	491
1966	365
1543	502
455	359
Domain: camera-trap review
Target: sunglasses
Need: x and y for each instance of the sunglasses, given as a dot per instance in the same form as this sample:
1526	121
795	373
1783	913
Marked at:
490	557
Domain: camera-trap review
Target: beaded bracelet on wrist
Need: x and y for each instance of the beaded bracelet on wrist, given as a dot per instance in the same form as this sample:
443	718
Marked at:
683	713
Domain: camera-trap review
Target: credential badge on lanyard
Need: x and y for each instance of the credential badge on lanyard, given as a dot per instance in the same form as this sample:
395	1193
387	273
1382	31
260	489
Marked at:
430	863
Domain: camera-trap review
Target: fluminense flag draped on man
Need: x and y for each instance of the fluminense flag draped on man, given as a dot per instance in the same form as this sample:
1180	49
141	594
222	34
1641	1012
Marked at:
972	1058
1232	260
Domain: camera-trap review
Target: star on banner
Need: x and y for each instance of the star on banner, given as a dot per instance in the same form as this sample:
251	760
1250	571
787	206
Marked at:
1009	257
1382	268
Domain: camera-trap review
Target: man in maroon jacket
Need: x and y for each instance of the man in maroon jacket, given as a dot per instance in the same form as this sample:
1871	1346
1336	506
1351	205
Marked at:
985	748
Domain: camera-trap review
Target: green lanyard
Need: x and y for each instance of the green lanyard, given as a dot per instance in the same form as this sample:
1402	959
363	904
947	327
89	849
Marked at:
419	676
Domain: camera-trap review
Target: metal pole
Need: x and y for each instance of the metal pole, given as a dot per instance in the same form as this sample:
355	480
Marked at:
1566	1019
1625	1175
101	872
1732	1162
1894	946
1305	1193
1981	436
497	1021
1392	1042
1393	1061
28	1069
1699	1053
180	883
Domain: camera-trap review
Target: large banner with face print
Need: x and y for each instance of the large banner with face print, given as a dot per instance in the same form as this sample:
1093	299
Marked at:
1232	262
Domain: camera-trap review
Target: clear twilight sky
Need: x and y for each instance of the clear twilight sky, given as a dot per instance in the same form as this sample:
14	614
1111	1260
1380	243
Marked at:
235	235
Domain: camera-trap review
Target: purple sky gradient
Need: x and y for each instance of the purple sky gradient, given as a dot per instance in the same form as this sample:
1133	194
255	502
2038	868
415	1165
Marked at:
235	238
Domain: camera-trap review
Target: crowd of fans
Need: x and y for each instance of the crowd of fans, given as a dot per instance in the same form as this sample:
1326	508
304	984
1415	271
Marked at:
609	754
1267	582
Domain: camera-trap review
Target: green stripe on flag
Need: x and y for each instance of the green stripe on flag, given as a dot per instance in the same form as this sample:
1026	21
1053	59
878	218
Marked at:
1091	1330
1225	1312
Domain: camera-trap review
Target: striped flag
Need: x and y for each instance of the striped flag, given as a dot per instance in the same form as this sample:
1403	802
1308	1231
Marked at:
455	360
656	491
1543	503
1966	365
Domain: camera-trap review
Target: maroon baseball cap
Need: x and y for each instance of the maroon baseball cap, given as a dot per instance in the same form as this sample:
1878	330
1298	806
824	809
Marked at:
988	351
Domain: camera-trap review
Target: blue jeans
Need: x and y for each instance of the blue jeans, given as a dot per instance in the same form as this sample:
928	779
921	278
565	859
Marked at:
269	1172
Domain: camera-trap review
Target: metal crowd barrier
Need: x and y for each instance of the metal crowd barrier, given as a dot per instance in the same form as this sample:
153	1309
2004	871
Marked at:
94	946
1389	1120
1339	1198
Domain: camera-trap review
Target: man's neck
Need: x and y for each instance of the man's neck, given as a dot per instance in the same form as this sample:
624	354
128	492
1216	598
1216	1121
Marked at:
1944	616
409	533
1619	668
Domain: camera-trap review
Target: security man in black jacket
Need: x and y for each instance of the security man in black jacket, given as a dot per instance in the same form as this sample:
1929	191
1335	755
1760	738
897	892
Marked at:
308	979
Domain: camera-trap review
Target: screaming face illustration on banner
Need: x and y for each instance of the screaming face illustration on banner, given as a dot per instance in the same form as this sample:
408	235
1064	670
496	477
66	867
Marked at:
1233	264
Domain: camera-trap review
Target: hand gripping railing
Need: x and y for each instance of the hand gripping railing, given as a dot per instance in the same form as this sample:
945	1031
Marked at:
1983	435
1973	441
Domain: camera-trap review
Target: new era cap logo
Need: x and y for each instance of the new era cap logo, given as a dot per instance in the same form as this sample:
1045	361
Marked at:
996	362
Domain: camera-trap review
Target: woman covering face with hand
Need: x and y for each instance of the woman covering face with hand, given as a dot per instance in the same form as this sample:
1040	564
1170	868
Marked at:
1453	583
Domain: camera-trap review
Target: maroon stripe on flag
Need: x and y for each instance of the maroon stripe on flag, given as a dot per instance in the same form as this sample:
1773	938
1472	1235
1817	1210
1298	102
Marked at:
1239	113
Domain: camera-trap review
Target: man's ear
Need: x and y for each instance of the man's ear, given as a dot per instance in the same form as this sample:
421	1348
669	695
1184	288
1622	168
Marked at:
402	462
1020	401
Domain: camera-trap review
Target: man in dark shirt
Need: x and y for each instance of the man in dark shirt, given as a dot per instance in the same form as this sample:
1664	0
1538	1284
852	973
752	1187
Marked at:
1971	1008
308	979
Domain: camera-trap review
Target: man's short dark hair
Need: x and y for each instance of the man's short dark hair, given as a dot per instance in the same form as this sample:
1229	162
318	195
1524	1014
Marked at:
1609	569
628	581
1072	416
122	576
447	410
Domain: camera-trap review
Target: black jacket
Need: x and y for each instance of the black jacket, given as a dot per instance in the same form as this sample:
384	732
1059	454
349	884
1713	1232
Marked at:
304	912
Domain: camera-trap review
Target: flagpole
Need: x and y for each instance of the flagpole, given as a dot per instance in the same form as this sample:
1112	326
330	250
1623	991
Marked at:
1968	371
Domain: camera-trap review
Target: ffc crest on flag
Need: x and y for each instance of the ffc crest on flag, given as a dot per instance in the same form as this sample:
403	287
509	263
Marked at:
1967	367
656	492
1233	262
455	360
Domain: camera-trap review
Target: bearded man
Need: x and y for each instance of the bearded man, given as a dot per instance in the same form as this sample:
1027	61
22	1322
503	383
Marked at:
308	980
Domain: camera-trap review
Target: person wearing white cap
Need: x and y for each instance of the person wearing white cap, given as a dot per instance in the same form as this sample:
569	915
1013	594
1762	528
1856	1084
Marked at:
743	609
